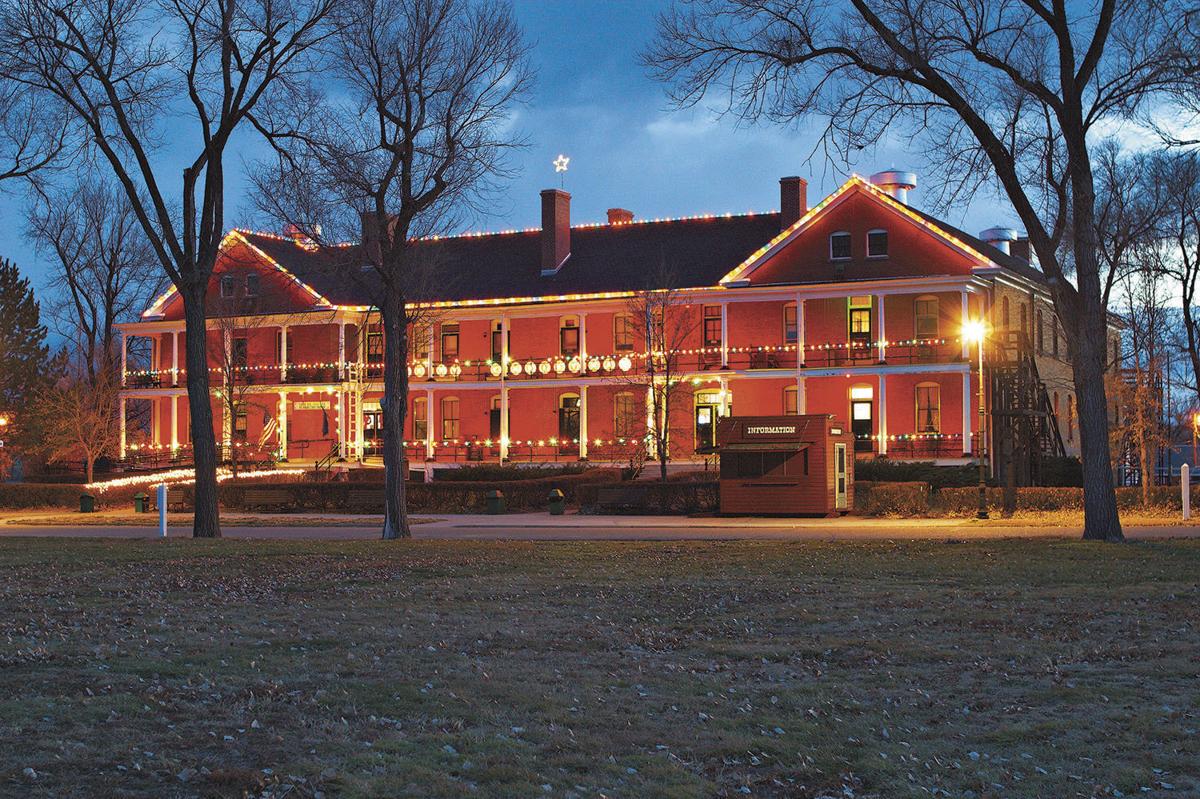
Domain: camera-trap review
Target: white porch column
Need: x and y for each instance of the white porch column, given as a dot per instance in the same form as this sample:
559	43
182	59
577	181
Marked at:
801	396
283	425
967	409
583	351
121	411
583	427
724	335
340	398
651	448
174	422
883	416
155	420
124	366
966	351
283	353
799	330
360	441
503	421
175	358
341	362
226	424
882	334
430	420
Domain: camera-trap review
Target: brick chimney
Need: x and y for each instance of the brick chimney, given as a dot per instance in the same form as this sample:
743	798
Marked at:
793	200
619	216
556	229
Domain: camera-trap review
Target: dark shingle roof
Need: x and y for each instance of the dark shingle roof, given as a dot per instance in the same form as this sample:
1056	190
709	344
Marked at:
604	258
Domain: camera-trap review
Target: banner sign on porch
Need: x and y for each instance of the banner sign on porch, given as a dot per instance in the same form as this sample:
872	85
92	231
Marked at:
311	405
371	405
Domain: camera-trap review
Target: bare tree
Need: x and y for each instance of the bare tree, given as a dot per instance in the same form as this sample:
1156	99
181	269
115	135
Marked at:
129	73
79	415
414	135
1177	254
103	268
1001	93
33	131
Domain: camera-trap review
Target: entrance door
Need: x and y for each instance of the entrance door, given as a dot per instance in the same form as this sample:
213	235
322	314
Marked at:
372	431
862	424
708	411
494	425
568	422
839	476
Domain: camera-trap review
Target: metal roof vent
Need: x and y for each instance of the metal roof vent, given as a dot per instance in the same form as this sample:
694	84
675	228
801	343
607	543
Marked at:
895	182
1000	237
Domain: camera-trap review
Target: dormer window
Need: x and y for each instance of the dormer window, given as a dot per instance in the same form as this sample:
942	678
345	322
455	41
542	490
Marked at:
839	246
877	244
252	285
226	286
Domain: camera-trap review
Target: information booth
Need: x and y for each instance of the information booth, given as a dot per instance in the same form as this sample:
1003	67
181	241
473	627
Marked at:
786	465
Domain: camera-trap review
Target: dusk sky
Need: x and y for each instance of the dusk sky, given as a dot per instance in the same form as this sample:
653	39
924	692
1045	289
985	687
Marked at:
628	148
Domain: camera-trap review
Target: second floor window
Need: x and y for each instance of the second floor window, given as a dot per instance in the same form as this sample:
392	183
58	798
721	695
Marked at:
420	419
791	332
568	336
925	316
929	408
252	285
227	286
623	332
240	353
449	342
375	346
240	423
839	246
791	401
712	325
860	321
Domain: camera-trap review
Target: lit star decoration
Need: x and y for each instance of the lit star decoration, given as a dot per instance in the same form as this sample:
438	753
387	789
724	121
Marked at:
560	163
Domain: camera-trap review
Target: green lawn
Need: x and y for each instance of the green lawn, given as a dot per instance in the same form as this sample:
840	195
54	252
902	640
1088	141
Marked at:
301	669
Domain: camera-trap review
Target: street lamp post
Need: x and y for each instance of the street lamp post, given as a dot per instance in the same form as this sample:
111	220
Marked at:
977	331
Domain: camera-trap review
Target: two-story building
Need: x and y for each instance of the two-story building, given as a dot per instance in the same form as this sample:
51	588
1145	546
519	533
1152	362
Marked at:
532	347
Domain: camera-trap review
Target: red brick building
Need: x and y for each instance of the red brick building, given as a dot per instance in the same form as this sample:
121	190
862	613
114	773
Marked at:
853	307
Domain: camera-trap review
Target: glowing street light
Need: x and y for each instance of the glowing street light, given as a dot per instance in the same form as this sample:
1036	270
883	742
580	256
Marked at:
976	330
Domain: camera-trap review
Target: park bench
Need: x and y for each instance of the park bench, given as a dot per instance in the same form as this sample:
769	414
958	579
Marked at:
620	497
369	499
175	499
266	498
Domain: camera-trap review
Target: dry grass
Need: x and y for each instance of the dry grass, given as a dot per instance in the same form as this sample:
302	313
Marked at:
231	668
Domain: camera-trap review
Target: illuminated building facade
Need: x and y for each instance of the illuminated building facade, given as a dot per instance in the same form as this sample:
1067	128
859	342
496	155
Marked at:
533	351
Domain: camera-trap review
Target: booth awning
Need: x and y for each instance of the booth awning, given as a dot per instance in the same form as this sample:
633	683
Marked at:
765	446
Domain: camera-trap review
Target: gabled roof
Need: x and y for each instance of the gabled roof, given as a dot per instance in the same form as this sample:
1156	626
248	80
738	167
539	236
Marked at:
605	260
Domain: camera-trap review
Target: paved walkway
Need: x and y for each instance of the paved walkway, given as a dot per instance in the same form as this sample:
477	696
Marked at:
542	527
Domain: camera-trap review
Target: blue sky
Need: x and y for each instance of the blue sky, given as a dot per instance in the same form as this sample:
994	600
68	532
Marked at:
628	148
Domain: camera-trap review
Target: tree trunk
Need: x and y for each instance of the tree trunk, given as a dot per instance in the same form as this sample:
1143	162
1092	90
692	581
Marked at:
206	521
89	465
1100	519
395	405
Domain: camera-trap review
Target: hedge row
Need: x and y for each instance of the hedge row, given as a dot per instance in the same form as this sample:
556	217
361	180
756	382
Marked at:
651	497
916	499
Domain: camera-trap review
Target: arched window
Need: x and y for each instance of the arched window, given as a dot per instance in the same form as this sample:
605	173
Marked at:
925	317
877	243
623	332
1005	319
625	415
1024	319
791	400
450	419
839	246
929	408
420	416
1040	333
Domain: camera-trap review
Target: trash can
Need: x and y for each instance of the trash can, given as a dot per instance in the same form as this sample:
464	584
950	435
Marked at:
558	504
141	503
87	503
495	502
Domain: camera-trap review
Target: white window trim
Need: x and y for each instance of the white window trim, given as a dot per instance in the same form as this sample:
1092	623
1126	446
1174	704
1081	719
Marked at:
868	242
848	235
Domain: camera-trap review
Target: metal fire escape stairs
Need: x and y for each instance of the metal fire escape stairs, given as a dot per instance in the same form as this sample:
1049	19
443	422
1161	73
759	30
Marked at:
1025	429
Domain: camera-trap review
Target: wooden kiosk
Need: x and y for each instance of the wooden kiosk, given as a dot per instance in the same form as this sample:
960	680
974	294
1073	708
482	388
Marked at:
785	465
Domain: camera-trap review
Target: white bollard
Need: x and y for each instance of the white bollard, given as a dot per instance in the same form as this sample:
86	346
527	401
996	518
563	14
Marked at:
162	510
1185	485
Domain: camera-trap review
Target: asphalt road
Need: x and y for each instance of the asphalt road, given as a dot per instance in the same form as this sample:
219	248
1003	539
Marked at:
541	527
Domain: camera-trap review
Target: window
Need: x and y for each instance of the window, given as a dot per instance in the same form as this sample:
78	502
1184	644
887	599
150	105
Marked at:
625	415
568	336
1004	315
929	408
497	341
712	325
1054	334
240	423
252	285
859	321
791	400
239	354
1116	352
791	330
420	416
925	317
877	244
1024	319
450	424
226	286
450	342
839	246
1070	417
1040	334
623	332
375	346
420	338
279	350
